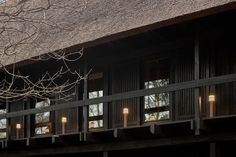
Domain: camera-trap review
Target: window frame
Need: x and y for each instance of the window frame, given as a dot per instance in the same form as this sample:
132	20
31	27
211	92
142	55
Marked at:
3	130
97	76
156	73
42	123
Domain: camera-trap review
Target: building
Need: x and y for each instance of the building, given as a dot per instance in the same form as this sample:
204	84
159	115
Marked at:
162	83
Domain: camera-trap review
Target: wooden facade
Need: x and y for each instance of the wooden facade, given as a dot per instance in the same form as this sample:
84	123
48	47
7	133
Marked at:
197	57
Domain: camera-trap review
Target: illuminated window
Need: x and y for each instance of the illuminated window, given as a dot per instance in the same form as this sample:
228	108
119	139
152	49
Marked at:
95	111
156	106
42	120
3	122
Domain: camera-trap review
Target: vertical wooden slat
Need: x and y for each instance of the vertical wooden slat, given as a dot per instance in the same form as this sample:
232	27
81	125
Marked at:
28	120
196	77
85	96
212	150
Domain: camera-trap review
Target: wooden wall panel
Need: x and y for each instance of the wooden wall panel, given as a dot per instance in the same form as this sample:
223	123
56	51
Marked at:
14	107
71	114
125	78
72	120
184	99
225	63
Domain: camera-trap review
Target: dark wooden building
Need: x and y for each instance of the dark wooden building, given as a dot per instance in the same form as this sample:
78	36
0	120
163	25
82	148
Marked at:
171	73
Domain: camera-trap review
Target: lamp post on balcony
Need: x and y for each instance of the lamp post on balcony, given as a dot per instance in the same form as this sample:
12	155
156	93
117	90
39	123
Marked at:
211	100
125	113
18	127
63	121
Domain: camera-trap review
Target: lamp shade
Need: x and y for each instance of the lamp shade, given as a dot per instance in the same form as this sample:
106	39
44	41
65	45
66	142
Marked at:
18	126
64	120
211	98
125	111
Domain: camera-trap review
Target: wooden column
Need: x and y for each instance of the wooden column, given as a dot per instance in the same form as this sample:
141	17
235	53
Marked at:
196	78
78	110
85	97
105	154
28	119
212	150
8	128
105	92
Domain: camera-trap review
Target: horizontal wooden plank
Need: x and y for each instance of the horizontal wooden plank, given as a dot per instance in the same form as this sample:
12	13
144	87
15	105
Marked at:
127	95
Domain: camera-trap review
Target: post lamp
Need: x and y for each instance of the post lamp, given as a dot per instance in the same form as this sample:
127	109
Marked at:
18	127
63	122
91	125
211	99
125	113
152	118
200	104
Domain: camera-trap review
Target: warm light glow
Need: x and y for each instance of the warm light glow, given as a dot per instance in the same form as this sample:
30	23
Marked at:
125	111
152	118
211	98
91	125
18	126
64	120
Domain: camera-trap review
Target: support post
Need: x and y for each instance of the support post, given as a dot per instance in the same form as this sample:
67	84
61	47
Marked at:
105	154
85	97
212	150
196	78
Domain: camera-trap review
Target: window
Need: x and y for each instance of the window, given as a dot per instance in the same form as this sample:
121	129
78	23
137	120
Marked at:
95	90
3	122
156	106
42	120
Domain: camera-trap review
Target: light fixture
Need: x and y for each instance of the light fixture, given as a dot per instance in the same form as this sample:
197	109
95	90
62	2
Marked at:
211	99
200	104
152	118
18	127
125	113
91	125
63	121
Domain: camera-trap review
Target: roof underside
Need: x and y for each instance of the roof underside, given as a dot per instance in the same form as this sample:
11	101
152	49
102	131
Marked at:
97	19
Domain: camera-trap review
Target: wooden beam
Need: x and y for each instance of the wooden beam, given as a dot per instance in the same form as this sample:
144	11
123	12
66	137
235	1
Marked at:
101	147
126	95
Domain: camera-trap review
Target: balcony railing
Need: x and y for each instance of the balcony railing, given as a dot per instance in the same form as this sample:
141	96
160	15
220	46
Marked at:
134	94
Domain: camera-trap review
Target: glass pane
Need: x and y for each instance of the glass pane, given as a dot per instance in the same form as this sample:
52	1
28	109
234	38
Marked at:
45	116
95	94
156	100
3	135
156	83
157	116
42	103
3	122
42	130
42	117
164	115
150	117
95	124
95	110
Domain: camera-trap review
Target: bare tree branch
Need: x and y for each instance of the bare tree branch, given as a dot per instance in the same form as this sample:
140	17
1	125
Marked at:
22	23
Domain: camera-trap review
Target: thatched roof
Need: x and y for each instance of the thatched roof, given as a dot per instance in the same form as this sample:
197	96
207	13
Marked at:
97	19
